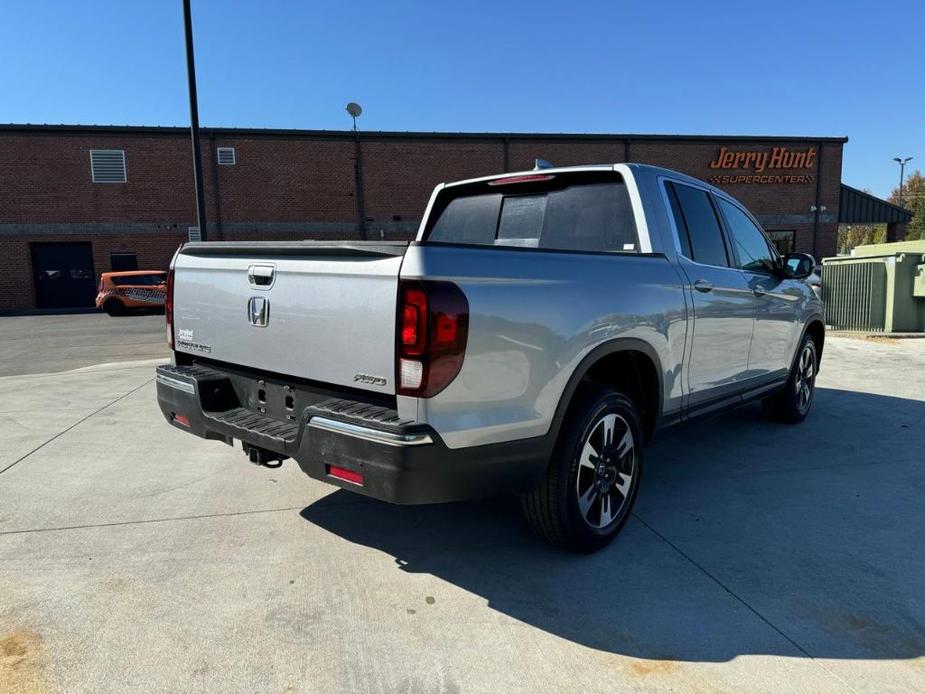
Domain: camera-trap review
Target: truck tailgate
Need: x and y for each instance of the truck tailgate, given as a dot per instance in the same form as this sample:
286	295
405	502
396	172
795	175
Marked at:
307	310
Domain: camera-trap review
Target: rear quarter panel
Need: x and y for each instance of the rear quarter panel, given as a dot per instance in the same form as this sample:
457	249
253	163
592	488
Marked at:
534	315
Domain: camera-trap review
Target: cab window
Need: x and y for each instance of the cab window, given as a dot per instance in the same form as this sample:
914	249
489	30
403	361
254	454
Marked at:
752	250
698	228
591	213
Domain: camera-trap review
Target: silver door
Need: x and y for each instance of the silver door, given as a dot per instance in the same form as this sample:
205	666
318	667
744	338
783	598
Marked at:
778	307
723	303
724	314
778	301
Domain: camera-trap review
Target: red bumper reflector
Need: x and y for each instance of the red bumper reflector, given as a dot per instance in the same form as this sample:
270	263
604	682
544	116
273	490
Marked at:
182	420
345	475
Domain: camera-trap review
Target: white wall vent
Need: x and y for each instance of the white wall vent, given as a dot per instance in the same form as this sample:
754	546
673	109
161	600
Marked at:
226	156
107	165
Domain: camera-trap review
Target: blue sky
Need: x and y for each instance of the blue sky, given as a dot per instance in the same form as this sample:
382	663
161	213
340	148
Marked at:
802	68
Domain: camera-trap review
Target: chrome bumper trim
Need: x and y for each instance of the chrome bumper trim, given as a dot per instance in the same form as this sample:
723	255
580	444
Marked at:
368	434
185	386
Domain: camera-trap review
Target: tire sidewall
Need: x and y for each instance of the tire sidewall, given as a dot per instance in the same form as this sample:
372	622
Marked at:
792	395
594	405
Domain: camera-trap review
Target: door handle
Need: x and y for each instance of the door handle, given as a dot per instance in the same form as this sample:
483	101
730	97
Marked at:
260	275
703	286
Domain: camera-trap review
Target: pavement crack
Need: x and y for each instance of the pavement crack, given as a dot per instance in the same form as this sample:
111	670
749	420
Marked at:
740	599
75	424
146	521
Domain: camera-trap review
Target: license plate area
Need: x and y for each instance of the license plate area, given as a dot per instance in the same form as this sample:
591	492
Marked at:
272	395
281	401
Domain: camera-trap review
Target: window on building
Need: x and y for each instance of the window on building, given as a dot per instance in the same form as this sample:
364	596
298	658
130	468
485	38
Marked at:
698	220
750	246
122	262
107	165
784	240
226	156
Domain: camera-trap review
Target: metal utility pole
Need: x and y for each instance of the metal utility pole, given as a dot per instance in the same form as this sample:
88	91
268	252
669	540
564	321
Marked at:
194	120
902	170
355	110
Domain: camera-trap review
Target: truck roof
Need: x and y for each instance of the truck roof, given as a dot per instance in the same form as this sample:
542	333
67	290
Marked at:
638	171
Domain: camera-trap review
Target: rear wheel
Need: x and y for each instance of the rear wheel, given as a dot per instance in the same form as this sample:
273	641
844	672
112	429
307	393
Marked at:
792	404
114	307
591	482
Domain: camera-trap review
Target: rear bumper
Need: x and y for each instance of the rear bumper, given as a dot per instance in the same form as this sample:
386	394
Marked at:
400	462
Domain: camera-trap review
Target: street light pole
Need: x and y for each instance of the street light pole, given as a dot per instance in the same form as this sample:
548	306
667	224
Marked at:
902	168
194	120
355	110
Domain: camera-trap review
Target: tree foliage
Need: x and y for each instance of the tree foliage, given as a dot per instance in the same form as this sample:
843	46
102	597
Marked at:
914	201
851	235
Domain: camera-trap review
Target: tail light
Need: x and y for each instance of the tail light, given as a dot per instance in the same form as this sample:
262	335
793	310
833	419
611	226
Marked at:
433	326
168	308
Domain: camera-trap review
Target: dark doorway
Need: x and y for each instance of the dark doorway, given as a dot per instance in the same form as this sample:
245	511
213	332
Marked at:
63	275
123	262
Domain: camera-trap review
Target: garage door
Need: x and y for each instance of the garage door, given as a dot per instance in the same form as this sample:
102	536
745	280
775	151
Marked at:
63	275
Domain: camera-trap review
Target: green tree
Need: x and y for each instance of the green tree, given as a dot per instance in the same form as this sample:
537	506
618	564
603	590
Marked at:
914	201
851	235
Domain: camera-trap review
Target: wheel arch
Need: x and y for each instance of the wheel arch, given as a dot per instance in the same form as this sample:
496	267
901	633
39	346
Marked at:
632	366
815	328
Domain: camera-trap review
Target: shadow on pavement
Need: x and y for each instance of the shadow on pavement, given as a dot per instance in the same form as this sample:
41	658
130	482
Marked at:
748	538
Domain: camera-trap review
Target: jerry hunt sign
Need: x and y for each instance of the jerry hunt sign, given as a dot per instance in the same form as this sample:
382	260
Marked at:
760	164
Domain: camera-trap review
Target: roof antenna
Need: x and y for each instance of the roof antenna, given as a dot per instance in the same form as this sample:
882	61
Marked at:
540	164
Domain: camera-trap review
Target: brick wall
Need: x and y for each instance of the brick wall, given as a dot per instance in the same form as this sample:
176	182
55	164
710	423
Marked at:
300	185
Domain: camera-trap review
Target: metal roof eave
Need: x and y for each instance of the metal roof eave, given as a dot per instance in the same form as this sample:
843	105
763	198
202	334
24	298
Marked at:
857	207
74	129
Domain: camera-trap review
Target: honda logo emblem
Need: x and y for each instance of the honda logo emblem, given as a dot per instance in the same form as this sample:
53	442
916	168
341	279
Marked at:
258	311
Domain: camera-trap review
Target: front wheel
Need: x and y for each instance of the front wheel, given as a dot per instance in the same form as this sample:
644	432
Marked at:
792	404
592	479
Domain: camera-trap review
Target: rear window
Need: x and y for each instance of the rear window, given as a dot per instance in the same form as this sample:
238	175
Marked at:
587	216
140	280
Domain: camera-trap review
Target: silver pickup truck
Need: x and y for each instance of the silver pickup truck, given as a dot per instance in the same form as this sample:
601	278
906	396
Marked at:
531	339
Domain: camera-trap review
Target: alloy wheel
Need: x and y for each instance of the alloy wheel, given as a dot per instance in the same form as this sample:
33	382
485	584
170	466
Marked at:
805	377
606	470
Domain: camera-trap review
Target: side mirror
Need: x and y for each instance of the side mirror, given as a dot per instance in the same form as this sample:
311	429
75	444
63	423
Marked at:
797	266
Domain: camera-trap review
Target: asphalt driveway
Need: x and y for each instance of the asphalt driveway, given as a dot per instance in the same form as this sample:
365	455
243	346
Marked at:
35	344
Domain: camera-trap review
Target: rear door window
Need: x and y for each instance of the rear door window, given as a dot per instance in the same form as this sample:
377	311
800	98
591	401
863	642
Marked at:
593	216
698	220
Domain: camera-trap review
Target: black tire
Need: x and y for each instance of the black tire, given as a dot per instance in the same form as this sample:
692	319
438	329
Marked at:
557	509
114	307
792	404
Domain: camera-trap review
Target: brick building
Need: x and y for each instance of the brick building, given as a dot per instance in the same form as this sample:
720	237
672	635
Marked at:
76	201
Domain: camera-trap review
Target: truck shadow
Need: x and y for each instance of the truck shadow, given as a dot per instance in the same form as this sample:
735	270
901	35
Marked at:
748	538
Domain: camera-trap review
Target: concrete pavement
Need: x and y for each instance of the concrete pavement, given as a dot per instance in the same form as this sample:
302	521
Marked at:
760	557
